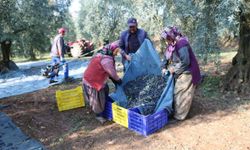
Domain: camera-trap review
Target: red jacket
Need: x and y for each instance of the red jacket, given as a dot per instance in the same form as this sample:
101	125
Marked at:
98	71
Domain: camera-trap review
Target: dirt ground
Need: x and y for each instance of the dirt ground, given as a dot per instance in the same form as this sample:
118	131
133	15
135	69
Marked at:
216	121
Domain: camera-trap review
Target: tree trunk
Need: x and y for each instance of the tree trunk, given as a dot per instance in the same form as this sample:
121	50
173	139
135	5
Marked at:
237	78
32	53
6	64
5	46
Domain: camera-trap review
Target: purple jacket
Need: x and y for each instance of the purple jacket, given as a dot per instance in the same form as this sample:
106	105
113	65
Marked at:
194	66
124	45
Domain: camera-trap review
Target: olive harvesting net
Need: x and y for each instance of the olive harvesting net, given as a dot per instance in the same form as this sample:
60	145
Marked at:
144	92
143	86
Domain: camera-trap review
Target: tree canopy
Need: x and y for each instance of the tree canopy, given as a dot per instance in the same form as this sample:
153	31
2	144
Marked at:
205	22
30	24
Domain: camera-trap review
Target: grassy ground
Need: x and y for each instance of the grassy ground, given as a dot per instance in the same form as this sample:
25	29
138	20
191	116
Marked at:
216	121
18	59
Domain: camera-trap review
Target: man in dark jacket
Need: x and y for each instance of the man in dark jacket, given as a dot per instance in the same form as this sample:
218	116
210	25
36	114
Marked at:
131	39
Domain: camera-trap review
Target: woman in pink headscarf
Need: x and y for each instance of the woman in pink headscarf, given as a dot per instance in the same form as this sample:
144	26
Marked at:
100	68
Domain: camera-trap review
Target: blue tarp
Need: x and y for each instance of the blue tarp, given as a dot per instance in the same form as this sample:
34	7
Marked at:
145	61
167	96
11	137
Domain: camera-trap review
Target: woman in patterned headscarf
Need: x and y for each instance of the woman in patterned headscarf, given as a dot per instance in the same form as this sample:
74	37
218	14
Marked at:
180	61
100	68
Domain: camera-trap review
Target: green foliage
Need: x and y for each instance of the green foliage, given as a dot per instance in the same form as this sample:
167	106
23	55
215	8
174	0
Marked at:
210	86
71	34
30	24
203	21
99	20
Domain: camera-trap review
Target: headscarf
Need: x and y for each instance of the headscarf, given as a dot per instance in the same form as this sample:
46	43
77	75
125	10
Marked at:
170	33
109	49
112	46
169	51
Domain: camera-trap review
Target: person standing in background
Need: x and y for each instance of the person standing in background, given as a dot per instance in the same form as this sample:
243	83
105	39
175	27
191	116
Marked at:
57	53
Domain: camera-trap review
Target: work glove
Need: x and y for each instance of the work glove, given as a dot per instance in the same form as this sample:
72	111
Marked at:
119	82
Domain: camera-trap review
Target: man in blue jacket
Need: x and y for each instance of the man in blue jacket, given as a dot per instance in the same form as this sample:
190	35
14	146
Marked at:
131	39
